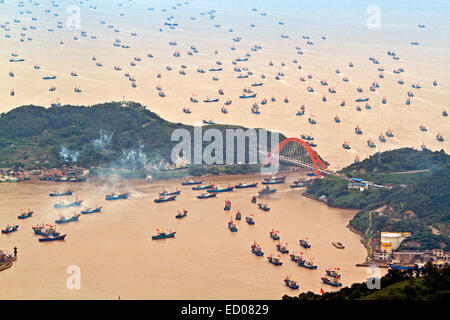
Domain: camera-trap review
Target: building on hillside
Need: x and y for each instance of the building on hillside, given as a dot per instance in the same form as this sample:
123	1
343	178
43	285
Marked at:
391	240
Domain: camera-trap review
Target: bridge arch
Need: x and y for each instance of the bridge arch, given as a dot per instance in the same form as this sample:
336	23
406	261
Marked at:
315	159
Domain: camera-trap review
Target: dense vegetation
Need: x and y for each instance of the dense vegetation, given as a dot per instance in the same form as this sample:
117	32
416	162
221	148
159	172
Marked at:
422	202
429	283
107	135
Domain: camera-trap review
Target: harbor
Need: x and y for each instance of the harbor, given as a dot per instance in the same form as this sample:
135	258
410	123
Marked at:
156	263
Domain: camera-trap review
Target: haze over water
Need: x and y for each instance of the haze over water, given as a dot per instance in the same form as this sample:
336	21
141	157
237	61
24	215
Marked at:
343	23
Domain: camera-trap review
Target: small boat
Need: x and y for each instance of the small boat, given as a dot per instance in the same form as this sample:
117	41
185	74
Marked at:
282	248
274	234
250	220
306	264
255	109
63	219
435	83
207	195
263	206
208	122
312	120
114	196
10	229
382	138
61	193
160	234
290	283
211	100
304	244
403	267
210	186
266	191
274	260
227	205
362	99
371	143
332	282
246	185
165	199
444	113
91	210
238	216
168	193
346	145
232	226
423	128
256	249
191	182
440	137
358	130
187	110
390	133
217	189
24	215
245	96
67	205
333	273
273	181
338	245
181	214
336	119
52	237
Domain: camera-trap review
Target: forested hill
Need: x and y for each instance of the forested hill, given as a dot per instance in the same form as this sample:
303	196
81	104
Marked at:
88	136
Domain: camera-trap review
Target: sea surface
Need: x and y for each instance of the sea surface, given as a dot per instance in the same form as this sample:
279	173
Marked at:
340	31
116	256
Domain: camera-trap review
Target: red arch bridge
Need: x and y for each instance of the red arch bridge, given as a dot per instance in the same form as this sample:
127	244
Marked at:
297	152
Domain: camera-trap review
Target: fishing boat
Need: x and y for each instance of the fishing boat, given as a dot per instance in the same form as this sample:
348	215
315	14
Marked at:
227	205
338	245
336	119
187	110
273	181
67	205
346	145
205	187
238	215
332	282
206	195
408	101
423	128
390	133
255	109
91	210
362	99
25	215
217	190
275	260
160	234
371	143
263	206
333	273
11	74
250	220
266	191
245	96
114	196
282	248
306	264
52	237
290	283
191	182
294	257
312	120
382	138
228	102
168	193
165	199
304	244
63	219
68	192
232	226
10	228
383	101
444	113
358	130
310	89
256	249
246	185
440	137
403	267
48	77
77	90
435	83
208	122
274	234
181	214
